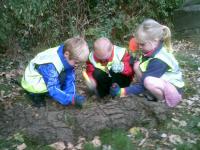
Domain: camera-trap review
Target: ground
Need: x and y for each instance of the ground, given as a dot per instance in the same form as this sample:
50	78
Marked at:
179	131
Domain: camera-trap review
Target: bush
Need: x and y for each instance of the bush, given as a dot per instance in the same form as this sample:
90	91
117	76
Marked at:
47	22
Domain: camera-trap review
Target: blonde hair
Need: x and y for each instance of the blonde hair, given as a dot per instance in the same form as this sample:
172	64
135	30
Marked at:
77	47
150	30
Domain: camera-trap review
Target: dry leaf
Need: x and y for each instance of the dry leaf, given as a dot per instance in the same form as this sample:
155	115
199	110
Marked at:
182	123
21	147
164	135
198	125
175	139
70	146
134	130
96	141
58	146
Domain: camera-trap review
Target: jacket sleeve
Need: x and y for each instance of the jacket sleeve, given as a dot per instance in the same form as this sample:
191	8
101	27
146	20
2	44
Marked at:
128	69
135	89
51	78
156	68
69	86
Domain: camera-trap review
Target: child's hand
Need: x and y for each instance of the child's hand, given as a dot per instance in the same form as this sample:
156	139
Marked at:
117	67
79	100
115	90
90	82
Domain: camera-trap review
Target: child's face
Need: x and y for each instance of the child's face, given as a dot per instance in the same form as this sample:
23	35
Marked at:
72	61
148	46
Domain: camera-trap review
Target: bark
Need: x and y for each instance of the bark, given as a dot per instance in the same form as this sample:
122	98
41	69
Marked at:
51	124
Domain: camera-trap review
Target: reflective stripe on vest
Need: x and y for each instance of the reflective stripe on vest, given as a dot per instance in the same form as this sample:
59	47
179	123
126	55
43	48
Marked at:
173	74
118	55
32	81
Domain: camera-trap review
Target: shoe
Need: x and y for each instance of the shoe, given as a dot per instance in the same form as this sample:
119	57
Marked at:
38	100
149	96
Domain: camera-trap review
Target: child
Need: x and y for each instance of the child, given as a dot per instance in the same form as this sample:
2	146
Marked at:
52	71
157	70
108	64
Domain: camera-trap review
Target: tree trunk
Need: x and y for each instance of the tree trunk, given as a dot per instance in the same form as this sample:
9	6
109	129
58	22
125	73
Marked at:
51	124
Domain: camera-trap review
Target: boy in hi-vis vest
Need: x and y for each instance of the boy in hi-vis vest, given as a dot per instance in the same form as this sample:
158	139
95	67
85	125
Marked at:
52	72
107	64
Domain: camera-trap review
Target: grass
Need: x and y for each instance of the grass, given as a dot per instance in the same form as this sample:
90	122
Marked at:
116	139
191	65
188	146
190	131
11	143
89	146
188	62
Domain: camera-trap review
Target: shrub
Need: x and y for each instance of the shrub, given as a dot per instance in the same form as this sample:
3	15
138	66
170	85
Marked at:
47	22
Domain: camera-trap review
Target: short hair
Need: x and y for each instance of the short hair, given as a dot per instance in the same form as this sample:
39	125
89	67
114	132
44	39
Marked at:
102	45
75	47
150	30
106	43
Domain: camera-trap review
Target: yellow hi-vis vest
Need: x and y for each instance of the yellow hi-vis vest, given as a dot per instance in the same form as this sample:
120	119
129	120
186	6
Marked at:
32	81
173	74
118	55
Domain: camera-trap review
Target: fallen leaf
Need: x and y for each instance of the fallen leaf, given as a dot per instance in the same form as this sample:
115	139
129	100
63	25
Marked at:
189	102
182	123
134	130
18	137
81	140
175	139
107	147
21	147
96	141
79	146
70	146
175	120
58	146
198	125
164	135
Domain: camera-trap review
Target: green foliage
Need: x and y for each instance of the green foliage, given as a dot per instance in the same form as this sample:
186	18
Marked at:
12	142
186	62
188	146
189	89
118	140
191	128
36	22
191	65
89	146
30	23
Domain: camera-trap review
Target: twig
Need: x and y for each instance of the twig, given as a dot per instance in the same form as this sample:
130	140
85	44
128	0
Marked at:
146	136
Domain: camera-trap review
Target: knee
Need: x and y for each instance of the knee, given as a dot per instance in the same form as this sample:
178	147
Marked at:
149	82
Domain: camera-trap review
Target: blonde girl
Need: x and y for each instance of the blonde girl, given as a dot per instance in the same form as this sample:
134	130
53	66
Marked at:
157	70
